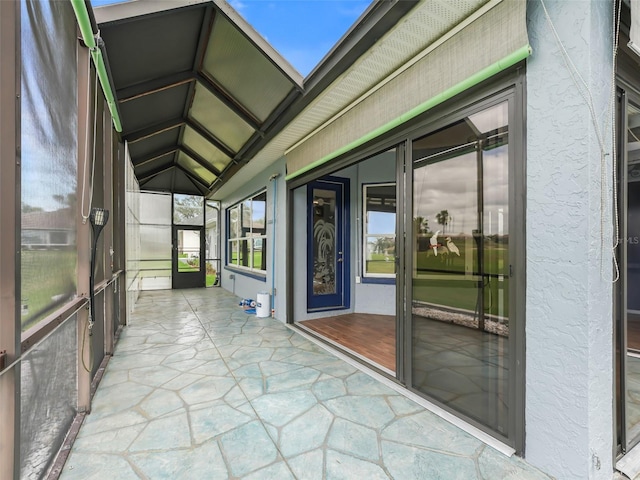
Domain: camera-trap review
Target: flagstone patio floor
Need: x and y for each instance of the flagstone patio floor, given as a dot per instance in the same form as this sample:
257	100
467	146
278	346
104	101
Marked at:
198	389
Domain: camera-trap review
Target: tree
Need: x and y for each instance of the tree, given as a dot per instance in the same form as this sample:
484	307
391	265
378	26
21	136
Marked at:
187	207
442	218
26	208
420	225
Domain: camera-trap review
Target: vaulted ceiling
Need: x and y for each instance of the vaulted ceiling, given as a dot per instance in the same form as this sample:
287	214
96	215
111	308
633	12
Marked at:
197	90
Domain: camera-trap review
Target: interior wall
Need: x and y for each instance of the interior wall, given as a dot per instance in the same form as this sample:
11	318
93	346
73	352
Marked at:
371	297
244	285
569	351
365	297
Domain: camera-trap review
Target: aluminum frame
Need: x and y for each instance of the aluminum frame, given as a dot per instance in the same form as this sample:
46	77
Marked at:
10	326
507	85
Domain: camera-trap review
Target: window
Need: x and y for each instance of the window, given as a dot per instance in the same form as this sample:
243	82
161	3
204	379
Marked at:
247	234
379	239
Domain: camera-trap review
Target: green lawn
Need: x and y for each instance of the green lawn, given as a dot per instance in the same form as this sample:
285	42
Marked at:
257	259
457	292
453	281
381	264
45	275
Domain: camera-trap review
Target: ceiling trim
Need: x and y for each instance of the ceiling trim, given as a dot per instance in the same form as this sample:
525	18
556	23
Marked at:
189	122
226	98
192	175
155	172
155	155
152	130
199	160
154	86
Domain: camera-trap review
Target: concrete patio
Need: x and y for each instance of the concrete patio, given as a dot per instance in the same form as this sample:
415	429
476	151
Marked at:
198	389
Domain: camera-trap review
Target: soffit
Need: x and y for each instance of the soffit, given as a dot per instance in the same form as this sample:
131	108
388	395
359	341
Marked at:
196	88
423	26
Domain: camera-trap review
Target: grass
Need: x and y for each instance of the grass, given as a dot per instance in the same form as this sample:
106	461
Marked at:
46	274
449	290
452	281
381	264
257	260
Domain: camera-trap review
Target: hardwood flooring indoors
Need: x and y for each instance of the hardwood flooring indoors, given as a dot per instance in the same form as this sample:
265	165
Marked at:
370	335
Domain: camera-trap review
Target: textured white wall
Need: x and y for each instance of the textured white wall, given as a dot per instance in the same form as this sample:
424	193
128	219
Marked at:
569	356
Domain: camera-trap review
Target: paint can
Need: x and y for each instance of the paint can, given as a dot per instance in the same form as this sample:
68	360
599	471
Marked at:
263	305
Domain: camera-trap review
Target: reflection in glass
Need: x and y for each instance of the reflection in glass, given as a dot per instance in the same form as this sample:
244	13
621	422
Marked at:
247	230
460	267
212	243
324	241
244	253
259	214
246	217
632	277
233	253
380	230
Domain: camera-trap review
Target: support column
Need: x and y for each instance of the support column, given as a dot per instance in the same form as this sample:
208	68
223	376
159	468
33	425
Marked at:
85	144
569	321
108	232
10	326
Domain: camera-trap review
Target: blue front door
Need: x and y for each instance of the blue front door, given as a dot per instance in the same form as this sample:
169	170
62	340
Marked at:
328	244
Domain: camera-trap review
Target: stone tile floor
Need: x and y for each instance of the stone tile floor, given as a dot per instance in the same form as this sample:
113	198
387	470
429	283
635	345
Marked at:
198	389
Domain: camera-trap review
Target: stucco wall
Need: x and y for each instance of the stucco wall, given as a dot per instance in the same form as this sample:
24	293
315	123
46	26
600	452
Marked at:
569	370
242	285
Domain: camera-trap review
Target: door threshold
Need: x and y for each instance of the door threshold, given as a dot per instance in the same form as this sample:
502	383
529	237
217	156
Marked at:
629	464
423	402
338	346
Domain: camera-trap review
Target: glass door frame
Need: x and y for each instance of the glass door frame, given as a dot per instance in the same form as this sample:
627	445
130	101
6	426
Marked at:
509	85
341	299
187	279
625	94
513	93
216	258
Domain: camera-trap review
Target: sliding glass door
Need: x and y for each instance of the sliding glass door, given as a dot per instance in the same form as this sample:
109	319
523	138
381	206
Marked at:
461	351
627	305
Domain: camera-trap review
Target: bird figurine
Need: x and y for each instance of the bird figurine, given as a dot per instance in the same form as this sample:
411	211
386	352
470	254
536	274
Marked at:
452	246
434	242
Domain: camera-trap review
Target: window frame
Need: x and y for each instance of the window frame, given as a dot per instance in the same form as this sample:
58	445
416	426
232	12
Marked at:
368	277
250	237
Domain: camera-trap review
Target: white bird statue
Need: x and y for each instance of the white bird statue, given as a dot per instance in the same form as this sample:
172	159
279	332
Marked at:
452	246
434	242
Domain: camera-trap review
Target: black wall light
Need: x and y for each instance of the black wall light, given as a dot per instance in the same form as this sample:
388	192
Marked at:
98	219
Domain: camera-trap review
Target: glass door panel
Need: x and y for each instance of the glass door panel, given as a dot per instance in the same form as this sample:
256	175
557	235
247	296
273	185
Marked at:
328	255
212	243
630	258
188	268
188	251
460	270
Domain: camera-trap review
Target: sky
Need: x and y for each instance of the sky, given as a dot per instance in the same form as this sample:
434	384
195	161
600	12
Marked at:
302	31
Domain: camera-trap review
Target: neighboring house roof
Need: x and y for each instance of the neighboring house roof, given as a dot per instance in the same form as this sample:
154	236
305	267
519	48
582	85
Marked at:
62	219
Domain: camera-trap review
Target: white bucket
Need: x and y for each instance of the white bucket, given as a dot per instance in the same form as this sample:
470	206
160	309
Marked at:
263	305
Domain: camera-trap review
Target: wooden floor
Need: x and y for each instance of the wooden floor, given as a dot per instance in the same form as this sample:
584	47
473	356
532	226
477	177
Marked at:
372	336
